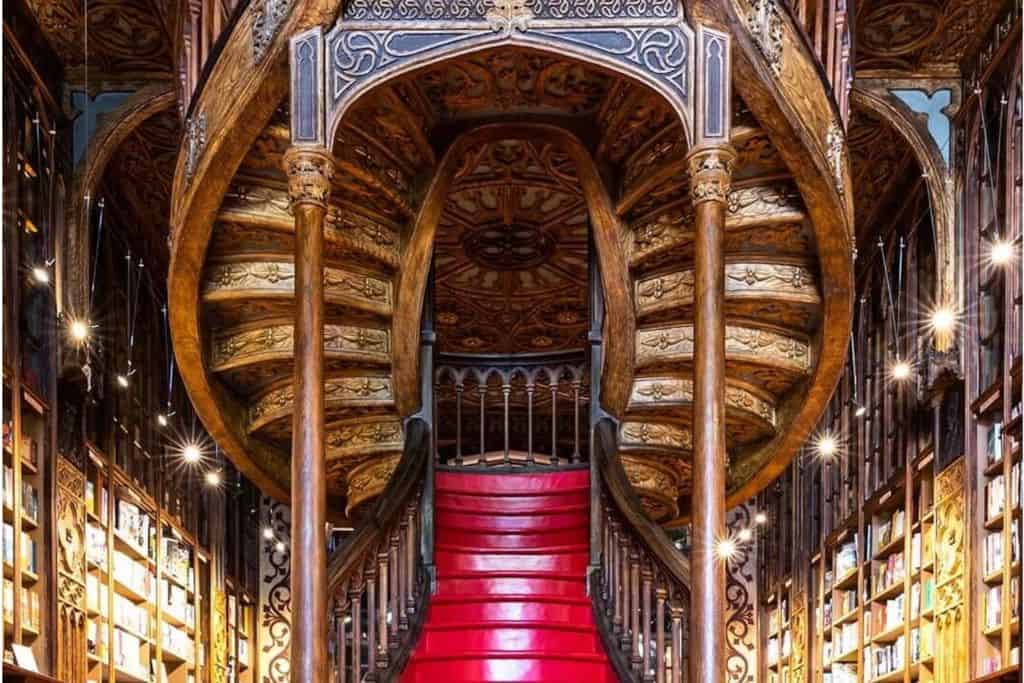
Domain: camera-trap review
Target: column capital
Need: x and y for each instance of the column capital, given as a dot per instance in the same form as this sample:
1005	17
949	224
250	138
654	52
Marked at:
309	170
710	173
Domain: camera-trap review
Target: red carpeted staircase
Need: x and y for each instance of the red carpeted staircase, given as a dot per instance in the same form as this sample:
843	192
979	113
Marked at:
511	604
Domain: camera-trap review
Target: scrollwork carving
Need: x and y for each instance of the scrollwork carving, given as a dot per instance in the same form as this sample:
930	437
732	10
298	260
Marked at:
267	16
711	174
195	143
309	171
765	25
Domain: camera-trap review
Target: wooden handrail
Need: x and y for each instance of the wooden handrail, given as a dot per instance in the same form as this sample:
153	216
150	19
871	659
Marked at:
639	584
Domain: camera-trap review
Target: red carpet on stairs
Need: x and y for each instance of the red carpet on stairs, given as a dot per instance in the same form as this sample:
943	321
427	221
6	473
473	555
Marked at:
511	603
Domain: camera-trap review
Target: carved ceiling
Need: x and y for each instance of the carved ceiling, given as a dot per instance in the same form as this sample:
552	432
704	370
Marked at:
922	37
510	255
129	40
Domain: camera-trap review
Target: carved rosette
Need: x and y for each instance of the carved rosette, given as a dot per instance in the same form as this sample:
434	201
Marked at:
711	173
951	608
309	170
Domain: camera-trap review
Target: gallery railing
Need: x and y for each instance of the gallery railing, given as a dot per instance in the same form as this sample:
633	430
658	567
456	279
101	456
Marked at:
511	410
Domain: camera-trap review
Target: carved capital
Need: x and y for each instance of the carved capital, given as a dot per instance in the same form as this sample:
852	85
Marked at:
711	173
309	170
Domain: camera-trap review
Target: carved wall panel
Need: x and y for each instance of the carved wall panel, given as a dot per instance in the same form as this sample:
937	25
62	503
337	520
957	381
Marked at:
758	346
653	436
368	480
741	402
340	394
656	485
236	348
71	604
275	594
741	621
952	608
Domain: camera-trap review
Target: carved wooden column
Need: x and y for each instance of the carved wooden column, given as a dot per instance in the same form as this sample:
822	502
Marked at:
710	171
309	172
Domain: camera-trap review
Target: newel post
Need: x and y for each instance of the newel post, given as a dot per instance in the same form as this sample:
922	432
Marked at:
710	165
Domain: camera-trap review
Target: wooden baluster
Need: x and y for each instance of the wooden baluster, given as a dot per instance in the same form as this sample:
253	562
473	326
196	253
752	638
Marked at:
482	390
624	639
646	587
383	579
617	580
458	421
355	595
529	419
401	615
433	428
660	595
576	420
634	604
605	549
554	419
393	590
339	628
371	617
506	389
675	610
410	561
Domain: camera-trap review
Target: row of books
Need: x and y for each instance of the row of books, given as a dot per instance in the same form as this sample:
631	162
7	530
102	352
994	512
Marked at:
886	657
96	545
889	528
177	642
847	640
130	616
846	558
28	549
97	505
136	526
177	561
29	446
922	597
779	647
921	545
778	616
129	655
889	615
175	601
31	617
887	573
29	495
847	601
841	673
134	574
96	595
922	643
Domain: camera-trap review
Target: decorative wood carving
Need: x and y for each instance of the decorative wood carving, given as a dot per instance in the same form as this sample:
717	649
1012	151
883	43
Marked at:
340	394
674	392
764	347
741	623
358	438
275	593
366	481
656	485
71	602
235	348
952	608
654	436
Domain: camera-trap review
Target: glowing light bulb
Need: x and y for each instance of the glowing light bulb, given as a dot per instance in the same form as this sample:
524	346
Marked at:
280	547
901	370
122	381
79	330
161	420
761	518
213	478
268	533
41	275
1001	252
861	411
191	453
726	548
943	319
827	446
746	535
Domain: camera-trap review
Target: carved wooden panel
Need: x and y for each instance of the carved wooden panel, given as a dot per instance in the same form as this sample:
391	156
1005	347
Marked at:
71	602
241	347
275	593
951	602
651	436
762	347
340	394
741	594
366	436
751	414
368	480
655	484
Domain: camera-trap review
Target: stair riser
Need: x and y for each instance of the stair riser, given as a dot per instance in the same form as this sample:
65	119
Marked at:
511	586
492	562
480	612
481	484
509	640
529	504
487	541
502	523
495	670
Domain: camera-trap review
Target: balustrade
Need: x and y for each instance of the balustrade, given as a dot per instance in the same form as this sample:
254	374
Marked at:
828	29
527	410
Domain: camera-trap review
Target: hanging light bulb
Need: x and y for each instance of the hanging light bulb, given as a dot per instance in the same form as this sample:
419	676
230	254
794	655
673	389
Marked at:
861	411
161	420
79	330
1001	252
268	533
122	381
41	275
761	518
746	535
191	453
280	547
826	446
726	549
900	370
213	478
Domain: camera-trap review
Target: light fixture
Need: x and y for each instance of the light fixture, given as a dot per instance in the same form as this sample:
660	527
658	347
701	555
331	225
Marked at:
41	275
122	381
161	420
761	518
1001	252
280	547
191	453
746	535
943	319
726	549
861	411
900	370
79	330
827	446
213	478
268	533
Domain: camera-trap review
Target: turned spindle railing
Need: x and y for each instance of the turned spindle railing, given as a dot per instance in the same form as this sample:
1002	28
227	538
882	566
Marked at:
379	579
639	584
516	410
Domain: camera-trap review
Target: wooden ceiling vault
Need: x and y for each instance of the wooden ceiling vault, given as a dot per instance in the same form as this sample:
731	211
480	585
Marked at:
511	262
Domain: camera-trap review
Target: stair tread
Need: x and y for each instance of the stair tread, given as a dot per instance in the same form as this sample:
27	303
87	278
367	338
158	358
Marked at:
509	624
509	597
565	549
507	654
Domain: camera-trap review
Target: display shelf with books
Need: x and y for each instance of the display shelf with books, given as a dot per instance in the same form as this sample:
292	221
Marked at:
241	613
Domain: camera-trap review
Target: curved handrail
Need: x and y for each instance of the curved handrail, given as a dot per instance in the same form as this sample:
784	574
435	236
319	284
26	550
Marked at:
638	582
388	508
211	58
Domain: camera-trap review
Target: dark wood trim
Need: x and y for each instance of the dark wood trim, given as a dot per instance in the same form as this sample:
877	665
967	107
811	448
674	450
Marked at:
617	657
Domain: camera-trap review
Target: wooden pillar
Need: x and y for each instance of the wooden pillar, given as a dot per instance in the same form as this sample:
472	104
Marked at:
309	172
710	172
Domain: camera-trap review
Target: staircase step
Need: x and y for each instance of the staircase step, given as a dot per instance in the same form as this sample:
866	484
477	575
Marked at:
518	504
473	521
496	561
537	540
496	608
510	583
524	636
513	484
508	667
560	549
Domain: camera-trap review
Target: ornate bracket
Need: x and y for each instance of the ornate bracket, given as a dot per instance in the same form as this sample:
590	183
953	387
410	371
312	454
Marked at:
765	25
195	134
